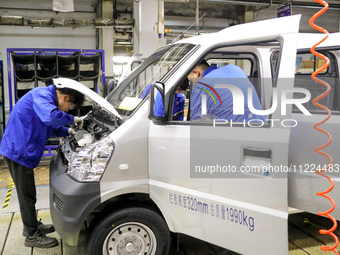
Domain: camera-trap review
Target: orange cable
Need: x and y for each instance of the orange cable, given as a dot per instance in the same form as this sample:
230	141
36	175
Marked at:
316	126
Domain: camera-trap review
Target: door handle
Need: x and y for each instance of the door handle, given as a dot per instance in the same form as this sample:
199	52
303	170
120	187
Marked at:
258	159
257	152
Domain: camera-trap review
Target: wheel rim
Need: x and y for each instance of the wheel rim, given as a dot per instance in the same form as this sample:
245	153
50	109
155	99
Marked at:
132	238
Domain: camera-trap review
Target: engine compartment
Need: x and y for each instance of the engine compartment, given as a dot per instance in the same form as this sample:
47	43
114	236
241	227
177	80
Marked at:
98	123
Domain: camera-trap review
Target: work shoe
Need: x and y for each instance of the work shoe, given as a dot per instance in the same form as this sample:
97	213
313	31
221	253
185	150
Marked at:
41	241
43	229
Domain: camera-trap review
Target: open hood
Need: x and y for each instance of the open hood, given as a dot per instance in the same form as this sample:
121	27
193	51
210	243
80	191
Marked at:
72	84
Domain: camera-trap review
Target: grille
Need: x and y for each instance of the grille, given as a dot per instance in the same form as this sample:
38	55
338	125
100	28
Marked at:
58	203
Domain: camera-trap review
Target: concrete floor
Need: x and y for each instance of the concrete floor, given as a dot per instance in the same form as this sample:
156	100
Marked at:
304	237
12	241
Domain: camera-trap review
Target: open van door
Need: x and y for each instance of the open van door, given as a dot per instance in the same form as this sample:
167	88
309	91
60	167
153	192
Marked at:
227	184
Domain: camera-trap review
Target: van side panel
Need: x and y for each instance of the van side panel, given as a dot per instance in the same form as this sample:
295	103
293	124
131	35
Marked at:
128	167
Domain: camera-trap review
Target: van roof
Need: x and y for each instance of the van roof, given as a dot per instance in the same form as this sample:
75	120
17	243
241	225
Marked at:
307	40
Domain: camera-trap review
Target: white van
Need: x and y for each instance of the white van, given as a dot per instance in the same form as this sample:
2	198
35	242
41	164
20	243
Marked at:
135	179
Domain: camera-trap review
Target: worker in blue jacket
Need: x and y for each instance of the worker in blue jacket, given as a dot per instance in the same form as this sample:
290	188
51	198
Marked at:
220	101
179	101
38	115
178	108
200	71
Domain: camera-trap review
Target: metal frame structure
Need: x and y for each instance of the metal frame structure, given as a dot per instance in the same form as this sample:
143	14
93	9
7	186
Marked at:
34	50
3	119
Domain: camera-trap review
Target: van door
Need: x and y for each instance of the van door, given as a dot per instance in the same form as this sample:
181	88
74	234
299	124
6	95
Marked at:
227	184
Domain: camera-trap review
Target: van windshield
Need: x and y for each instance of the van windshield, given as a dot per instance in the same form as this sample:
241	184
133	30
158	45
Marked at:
133	89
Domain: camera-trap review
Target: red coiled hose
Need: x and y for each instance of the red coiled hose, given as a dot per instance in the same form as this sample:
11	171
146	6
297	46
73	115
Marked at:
316	126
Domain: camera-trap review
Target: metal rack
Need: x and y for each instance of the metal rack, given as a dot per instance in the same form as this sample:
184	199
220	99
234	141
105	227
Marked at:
29	67
2	102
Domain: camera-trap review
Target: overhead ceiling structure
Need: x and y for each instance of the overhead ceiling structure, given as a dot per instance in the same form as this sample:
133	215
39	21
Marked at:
178	14
181	8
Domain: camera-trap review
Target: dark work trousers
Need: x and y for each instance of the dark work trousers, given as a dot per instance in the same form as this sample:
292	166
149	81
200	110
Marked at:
23	178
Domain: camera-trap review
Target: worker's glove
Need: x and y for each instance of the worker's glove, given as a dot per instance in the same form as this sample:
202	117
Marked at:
71	131
79	121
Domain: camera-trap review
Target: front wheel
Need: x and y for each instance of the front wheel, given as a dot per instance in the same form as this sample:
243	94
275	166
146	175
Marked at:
130	231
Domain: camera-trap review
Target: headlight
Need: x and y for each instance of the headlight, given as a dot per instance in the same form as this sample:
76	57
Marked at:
89	164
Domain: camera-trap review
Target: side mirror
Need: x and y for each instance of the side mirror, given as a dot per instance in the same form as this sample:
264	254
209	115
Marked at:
157	112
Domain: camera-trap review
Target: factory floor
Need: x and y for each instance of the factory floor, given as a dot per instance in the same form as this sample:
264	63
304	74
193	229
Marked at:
304	237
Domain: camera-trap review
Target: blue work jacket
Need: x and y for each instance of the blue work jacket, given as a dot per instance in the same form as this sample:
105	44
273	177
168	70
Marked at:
223	109
33	120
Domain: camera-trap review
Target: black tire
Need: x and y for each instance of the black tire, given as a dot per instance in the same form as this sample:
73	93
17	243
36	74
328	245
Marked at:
130	231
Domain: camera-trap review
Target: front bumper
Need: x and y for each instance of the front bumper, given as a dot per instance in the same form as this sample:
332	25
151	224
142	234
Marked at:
70	201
